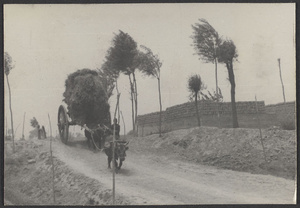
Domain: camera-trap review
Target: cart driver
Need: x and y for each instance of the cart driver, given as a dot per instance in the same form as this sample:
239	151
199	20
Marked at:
115	126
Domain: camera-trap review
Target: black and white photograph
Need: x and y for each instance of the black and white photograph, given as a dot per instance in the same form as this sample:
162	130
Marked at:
149	104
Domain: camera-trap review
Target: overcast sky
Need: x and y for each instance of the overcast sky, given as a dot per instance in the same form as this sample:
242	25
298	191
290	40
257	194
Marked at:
49	42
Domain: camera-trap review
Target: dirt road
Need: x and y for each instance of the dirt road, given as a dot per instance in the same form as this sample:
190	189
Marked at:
161	180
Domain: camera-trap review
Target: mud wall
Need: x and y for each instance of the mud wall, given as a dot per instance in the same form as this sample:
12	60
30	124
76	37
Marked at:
210	108
184	116
282	109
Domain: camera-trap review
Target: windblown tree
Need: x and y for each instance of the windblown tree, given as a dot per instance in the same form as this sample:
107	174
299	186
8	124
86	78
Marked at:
109	78
195	86
123	57
150	65
227	55
8	66
206	42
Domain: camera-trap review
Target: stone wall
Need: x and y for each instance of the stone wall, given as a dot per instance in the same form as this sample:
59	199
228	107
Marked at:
184	116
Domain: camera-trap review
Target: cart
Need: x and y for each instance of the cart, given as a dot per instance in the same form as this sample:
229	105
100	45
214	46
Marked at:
63	123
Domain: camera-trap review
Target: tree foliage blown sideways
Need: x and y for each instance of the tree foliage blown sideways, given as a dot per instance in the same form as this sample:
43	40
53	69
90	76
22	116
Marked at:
123	54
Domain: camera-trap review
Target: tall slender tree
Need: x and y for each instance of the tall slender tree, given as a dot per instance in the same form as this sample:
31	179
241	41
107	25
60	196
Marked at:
227	55
151	65
206	42
195	86
8	66
123	57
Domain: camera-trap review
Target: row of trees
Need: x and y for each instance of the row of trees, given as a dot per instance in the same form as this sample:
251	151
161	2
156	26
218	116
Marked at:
124	56
212	48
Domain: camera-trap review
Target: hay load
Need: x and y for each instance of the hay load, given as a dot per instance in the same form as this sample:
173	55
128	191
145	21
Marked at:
86	99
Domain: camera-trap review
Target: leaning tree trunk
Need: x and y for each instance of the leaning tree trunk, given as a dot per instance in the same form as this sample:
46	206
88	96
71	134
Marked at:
132	103
11	115
233	104
135	98
217	89
160	107
197	112
118	110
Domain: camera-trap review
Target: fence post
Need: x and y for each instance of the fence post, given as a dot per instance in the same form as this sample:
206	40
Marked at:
258	121
5	137
23	137
281	80
123	123
53	174
113	148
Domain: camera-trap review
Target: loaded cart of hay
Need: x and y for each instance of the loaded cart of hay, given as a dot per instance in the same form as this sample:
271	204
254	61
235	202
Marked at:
87	105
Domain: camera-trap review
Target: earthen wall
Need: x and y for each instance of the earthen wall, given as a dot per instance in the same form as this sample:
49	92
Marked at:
184	116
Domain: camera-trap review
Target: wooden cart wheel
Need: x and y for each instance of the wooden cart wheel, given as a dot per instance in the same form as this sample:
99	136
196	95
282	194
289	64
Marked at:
63	124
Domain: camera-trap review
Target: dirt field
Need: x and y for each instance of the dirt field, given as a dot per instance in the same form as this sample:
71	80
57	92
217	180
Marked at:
235	149
191	166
